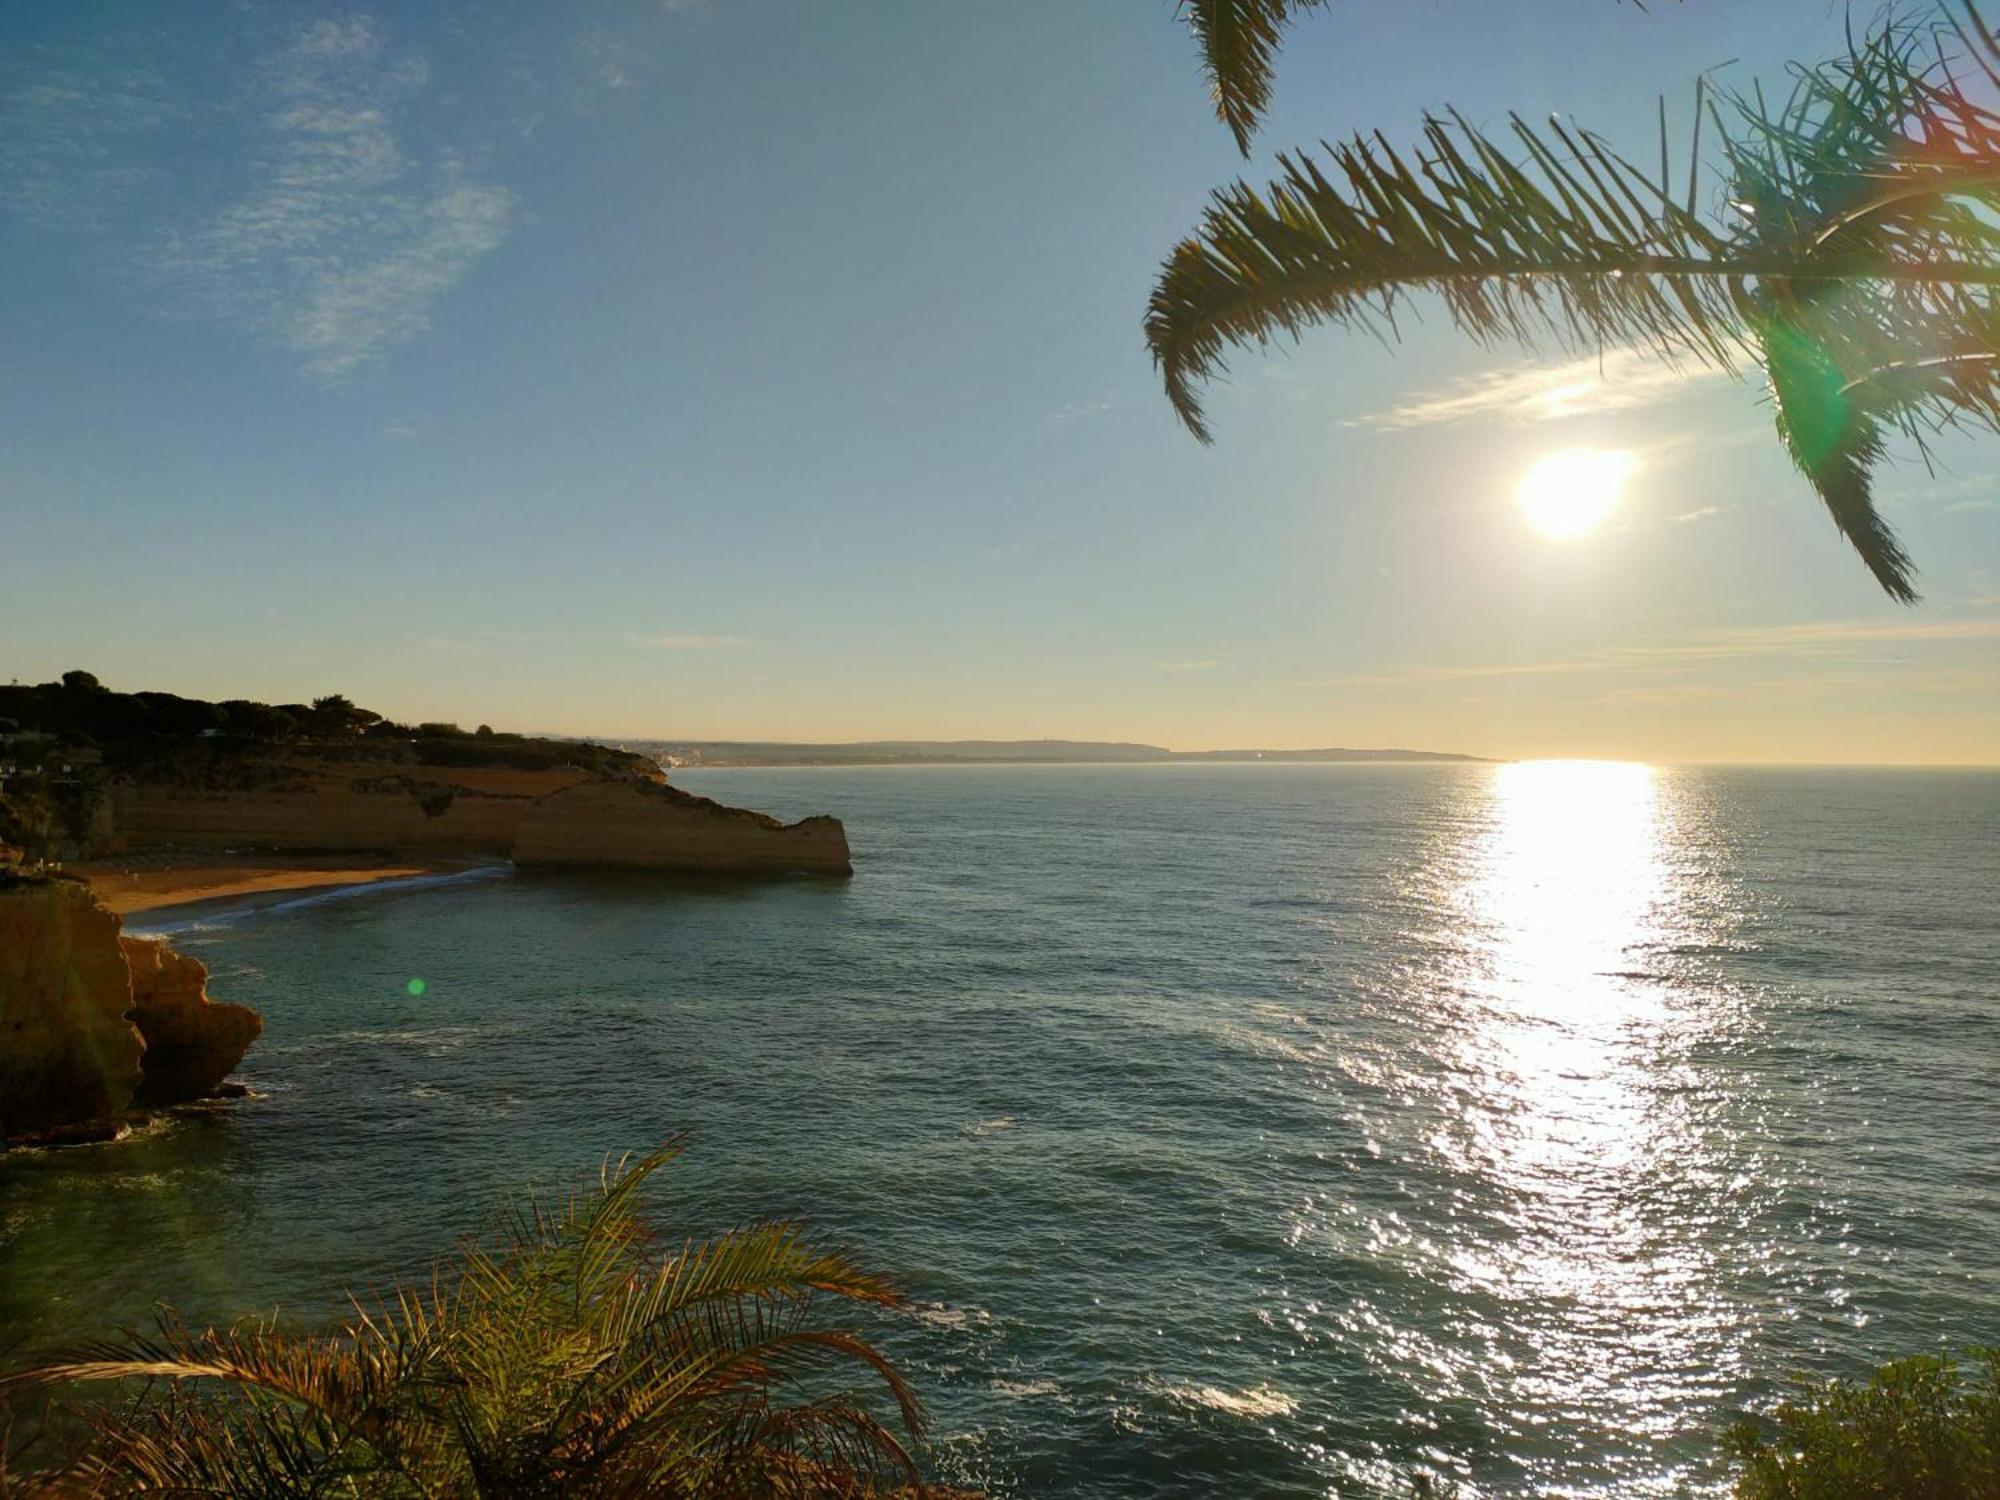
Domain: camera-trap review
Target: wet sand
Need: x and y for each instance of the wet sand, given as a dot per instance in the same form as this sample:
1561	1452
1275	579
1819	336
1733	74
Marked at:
149	882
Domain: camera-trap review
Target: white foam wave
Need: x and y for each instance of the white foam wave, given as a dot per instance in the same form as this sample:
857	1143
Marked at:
1022	1389
1257	1401
939	1316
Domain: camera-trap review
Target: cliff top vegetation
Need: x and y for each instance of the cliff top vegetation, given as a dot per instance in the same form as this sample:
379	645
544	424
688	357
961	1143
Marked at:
138	731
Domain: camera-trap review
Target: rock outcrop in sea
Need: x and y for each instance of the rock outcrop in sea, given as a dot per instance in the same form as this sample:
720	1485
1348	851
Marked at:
93	1023
192	1042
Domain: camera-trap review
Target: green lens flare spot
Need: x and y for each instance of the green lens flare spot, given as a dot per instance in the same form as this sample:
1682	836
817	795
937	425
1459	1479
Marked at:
417	986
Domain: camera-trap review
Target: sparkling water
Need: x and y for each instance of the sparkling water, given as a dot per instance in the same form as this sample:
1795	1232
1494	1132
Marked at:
1236	1130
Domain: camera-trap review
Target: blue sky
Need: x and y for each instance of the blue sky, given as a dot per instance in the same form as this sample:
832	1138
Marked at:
772	368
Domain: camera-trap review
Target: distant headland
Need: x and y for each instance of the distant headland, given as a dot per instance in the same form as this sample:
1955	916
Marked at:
126	781
689	753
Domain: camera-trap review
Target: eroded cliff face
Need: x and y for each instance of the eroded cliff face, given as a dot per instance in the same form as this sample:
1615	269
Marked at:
351	804
192	1042
551	817
658	827
93	1023
67	1051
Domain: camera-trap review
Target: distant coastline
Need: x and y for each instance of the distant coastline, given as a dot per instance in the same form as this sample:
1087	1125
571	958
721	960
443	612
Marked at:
693	754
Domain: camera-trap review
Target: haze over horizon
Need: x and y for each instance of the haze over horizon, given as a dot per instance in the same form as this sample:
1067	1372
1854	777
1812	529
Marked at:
681	368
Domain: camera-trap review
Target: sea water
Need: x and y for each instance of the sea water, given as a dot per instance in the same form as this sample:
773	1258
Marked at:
1235	1130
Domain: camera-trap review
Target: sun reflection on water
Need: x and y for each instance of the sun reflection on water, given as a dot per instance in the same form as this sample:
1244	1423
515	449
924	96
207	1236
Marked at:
1572	1114
1548	1269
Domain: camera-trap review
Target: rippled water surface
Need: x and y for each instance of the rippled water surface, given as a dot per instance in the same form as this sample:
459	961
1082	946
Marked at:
1239	1130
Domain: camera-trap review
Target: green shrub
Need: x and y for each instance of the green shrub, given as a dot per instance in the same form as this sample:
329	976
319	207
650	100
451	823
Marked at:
1919	1429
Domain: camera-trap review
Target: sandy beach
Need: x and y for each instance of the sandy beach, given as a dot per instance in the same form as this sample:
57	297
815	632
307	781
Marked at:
141	883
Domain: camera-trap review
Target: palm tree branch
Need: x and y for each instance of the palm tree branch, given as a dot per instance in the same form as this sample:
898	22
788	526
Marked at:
1866	213
1239	45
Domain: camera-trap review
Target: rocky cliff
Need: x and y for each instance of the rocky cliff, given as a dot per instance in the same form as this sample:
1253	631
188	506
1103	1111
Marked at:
648	825
68	1052
87	772
91	1022
558	816
192	1042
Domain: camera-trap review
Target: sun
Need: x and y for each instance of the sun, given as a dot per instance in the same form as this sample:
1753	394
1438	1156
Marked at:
1571	492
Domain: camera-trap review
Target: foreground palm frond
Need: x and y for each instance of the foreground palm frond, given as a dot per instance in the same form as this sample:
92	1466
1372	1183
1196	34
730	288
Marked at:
1239	42
575	1358
1852	257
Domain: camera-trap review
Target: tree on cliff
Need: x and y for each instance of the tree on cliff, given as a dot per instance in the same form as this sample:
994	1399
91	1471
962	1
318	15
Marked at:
336	714
582	1356
1849	249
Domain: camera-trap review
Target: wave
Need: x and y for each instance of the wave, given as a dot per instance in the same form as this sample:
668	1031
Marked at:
1257	1401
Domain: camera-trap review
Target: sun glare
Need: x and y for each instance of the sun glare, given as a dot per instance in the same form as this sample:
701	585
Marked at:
1572	492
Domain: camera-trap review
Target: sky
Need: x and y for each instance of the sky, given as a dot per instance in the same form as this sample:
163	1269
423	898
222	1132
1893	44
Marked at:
773	369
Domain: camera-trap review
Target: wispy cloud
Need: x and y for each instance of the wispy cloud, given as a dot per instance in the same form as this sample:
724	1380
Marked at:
1823	642
1618	381
1076	411
75	144
1412	676
1834	636
608	60
1701	514
292	205
1965	492
686	642
1195	664
342	241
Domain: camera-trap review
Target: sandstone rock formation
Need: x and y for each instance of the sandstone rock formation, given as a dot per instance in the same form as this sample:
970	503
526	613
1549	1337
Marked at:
91	1022
650	825
192	1042
550	816
67	1051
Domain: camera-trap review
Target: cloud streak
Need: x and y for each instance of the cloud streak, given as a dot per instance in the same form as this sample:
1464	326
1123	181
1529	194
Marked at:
343	241
686	642
295	207
1835	642
1195	664
75	143
1621	380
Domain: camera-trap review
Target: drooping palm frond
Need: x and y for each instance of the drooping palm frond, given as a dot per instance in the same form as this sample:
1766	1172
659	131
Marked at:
1851	253
577	1356
1239	42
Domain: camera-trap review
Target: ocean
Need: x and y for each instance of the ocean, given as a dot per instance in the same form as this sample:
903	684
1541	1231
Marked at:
1236	1130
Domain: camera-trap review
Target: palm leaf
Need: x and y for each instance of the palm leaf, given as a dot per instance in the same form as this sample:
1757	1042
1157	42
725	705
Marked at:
1239	42
573	1355
1852	258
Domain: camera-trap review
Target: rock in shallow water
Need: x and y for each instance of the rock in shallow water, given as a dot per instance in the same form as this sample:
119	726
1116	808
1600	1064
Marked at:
68	1053
192	1042
92	1022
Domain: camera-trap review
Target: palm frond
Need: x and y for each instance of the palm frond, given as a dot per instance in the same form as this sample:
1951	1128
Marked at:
574	1354
1851	253
1239	43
